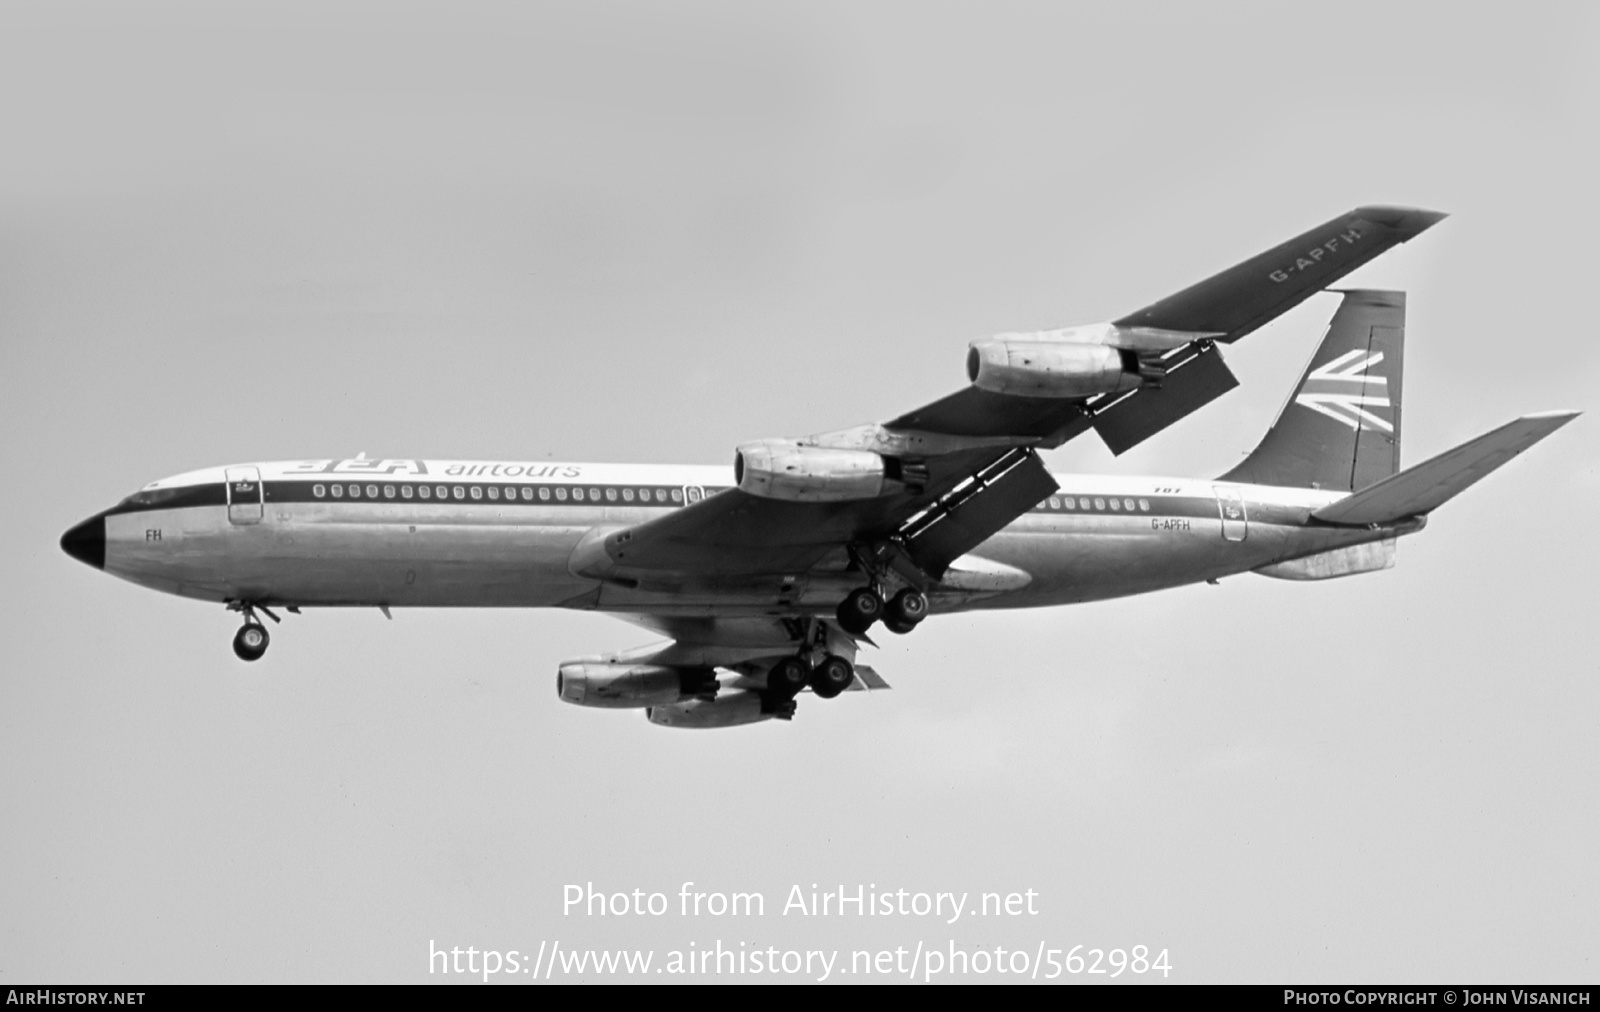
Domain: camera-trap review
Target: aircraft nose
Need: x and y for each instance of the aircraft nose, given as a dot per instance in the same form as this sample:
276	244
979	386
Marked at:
87	542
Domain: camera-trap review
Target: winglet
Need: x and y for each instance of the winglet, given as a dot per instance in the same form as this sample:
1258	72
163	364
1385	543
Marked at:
1421	489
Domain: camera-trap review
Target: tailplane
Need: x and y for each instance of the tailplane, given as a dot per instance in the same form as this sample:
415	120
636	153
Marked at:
1422	489
1341	428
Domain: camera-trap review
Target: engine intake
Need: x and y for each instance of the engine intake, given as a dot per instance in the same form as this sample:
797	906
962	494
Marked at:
1053	368
783	469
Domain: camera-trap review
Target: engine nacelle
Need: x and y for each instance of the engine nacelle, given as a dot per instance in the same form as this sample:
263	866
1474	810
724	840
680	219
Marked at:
629	686
730	709
783	469
1052	368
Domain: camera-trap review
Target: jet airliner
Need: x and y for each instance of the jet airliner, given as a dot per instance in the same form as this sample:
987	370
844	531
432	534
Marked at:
767	577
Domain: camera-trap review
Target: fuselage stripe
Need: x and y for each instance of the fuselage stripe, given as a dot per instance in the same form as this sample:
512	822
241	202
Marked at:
590	495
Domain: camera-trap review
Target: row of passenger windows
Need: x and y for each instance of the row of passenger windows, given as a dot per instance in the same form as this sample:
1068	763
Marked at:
525	493
1097	503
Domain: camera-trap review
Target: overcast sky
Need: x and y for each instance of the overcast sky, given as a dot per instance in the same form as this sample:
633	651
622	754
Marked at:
651	232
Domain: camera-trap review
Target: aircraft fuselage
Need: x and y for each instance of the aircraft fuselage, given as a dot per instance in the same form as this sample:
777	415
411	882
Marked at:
418	533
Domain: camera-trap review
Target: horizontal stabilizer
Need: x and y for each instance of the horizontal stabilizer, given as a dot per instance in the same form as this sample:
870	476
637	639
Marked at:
1421	489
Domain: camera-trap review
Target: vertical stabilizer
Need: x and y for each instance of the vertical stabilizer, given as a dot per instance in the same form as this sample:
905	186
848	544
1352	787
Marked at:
1341	428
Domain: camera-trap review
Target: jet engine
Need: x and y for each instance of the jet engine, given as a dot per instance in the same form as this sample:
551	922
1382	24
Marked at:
630	686
730	709
783	469
1055	368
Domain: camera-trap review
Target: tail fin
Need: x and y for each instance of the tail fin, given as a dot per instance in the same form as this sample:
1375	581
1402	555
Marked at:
1341	429
1421	489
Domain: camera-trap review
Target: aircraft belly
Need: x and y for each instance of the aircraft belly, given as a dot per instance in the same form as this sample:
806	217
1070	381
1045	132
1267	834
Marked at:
303	557
1089	558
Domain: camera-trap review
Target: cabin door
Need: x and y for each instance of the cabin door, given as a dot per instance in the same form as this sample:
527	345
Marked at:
1230	507
245	495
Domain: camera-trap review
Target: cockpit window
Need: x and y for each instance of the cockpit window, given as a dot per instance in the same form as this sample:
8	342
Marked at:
151	496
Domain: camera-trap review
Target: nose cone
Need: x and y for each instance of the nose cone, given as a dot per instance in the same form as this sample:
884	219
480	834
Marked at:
87	542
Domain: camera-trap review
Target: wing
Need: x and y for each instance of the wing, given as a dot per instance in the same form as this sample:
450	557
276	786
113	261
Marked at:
1220	309
968	496
955	472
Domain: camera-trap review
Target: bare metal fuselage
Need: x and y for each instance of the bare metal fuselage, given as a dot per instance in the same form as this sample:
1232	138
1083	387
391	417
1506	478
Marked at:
1101	537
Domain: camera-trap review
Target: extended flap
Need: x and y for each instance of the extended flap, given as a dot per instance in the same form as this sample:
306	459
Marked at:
973	512
1195	377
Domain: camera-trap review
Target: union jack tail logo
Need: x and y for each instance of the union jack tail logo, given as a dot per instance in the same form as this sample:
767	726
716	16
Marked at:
1345	406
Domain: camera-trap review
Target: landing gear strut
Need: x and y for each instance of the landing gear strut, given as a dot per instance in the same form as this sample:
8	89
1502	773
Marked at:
251	641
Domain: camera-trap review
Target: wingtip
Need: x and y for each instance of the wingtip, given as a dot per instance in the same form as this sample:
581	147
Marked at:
1413	220
1558	418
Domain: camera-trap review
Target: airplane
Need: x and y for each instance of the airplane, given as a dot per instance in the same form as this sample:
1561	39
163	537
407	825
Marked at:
767	577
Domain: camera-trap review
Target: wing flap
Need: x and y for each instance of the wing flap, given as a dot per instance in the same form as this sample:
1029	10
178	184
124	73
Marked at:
1421	489
973	513
1195	377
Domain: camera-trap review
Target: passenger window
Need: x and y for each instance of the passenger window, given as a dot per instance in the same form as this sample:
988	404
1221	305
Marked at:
611	495
661	495
338	491
372	491
405	491
460	491
1144	504
424	491
544	493
627	495
477	493
318	491
1055	503
577	495
677	495
388	491
1099	504
1115	505
594	495
442	492
561	494
494	493
511	493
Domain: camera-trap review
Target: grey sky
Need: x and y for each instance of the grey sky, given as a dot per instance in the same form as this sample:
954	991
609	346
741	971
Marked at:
652	232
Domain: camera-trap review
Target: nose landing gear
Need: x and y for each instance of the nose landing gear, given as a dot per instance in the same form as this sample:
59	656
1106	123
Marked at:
251	641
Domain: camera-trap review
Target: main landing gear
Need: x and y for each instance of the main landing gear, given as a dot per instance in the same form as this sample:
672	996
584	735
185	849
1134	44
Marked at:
831	676
865	605
251	641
